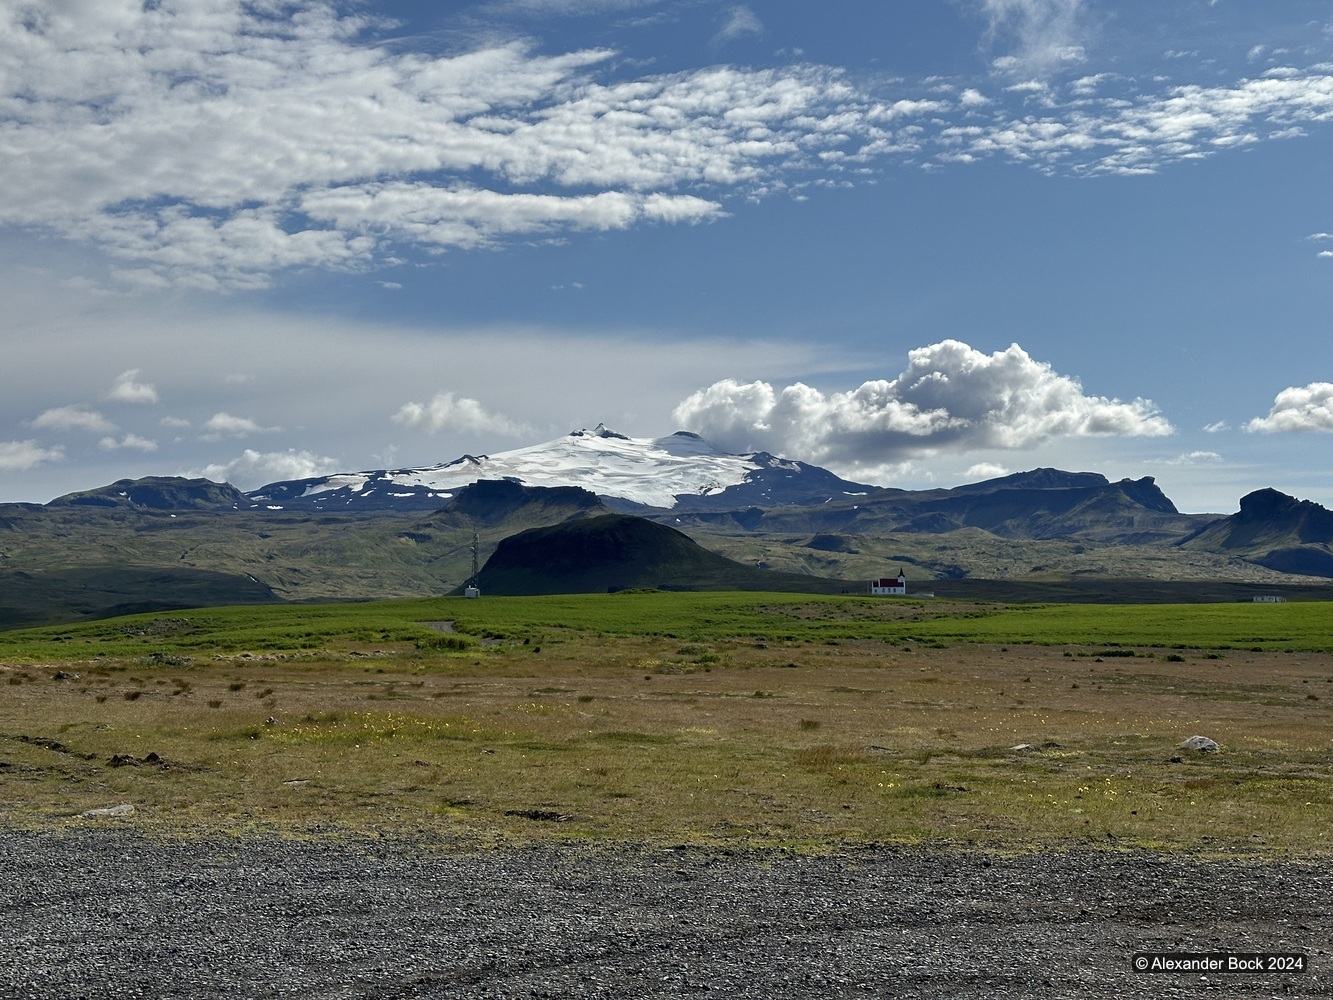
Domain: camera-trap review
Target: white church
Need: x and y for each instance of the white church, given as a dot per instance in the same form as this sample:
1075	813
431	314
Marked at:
890	586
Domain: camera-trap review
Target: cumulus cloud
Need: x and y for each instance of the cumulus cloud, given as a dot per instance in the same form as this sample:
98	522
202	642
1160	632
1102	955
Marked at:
950	398
128	441
19	456
982	471
1303	408
446	411
252	469
224	424
73	418
128	389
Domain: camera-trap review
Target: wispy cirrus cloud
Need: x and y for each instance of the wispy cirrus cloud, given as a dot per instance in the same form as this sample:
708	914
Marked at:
1038	35
218	145
951	397
1185	123
738	22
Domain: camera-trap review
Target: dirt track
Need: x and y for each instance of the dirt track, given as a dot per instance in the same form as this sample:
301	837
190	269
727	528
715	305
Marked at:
107	914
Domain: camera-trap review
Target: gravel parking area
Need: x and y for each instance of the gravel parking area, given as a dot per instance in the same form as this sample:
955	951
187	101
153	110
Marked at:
105	913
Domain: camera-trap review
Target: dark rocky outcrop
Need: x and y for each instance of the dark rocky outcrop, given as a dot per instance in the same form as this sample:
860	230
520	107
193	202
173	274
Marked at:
158	493
617	552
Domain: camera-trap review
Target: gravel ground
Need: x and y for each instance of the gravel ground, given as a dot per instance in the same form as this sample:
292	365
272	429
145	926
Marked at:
106	913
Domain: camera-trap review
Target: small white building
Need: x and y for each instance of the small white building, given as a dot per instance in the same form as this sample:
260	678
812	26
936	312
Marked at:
890	586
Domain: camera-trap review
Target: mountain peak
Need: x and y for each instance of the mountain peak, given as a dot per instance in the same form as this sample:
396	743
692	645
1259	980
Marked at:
600	431
1040	479
674	472
158	493
1267	503
1274	530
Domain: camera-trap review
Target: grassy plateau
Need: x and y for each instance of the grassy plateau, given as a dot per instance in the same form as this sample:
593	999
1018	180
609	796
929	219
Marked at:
709	718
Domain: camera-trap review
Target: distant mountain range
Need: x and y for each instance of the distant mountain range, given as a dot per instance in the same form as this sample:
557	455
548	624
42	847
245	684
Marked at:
1041	504
678	472
1273	530
765	523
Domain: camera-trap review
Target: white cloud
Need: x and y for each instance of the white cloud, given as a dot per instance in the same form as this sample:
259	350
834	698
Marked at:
1045	34
986	470
1304	408
333	381
19	456
1119	136
546	8
1194	458
212	145
127	389
73	418
1086	85
220	424
740	21
252	469
468	217
456	413
951	398
128	441
1217	426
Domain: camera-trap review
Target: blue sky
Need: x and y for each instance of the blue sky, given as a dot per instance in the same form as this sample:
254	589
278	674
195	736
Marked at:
921	243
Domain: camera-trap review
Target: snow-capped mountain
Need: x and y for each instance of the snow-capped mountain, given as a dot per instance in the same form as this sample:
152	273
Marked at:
681	471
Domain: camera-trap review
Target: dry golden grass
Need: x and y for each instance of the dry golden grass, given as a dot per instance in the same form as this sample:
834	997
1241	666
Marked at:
721	742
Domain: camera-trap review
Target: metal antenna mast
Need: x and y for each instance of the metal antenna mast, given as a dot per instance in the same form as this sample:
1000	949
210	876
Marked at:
472	590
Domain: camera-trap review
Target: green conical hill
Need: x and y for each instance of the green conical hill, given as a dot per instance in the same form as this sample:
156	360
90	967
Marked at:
616	552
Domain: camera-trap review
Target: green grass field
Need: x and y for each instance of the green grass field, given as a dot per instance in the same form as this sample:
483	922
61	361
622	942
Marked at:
1295	626
719	718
